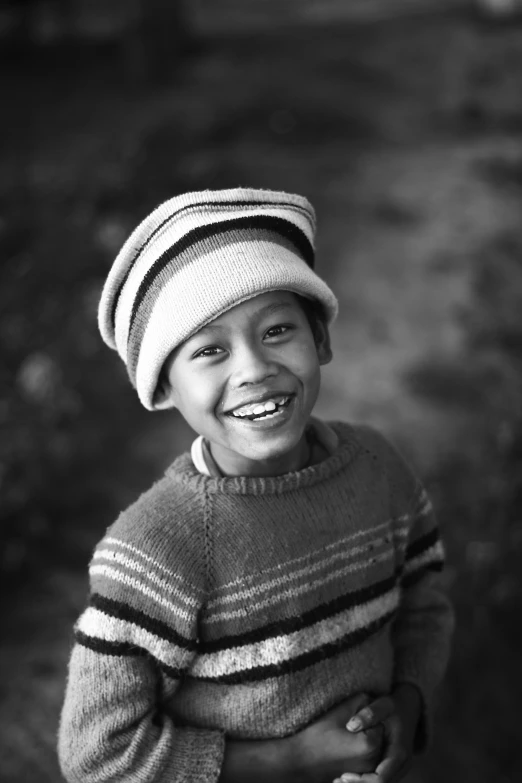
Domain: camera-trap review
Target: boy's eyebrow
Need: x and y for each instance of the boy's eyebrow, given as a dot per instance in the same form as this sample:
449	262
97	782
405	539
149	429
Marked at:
272	308
266	310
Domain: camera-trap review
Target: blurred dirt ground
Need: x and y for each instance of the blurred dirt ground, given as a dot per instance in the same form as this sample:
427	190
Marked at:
407	137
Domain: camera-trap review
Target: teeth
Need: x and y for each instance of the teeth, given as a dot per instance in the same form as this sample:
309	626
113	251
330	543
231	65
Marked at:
257	409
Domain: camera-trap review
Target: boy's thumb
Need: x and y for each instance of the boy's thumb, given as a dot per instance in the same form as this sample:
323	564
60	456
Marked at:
372	714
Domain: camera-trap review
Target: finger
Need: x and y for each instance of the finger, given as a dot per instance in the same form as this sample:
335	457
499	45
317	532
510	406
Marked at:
376	712
392	773
357	702
395	757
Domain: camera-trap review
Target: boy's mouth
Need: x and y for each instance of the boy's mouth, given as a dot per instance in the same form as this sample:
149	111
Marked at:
270	408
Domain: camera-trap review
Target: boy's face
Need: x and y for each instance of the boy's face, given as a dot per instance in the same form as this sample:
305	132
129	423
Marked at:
248	382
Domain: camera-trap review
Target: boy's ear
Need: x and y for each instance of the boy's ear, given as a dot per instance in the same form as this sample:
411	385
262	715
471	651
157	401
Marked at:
161	392
322	342
163	389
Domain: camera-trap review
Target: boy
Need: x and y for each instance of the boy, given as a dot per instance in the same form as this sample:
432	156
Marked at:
282	579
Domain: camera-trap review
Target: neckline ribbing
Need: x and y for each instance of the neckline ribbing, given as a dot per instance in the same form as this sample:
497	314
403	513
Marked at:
184	470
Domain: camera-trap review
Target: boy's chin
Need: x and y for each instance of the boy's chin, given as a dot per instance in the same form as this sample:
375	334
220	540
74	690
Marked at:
266	452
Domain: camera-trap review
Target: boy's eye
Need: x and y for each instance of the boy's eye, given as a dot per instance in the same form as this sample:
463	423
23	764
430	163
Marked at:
277	331
210	350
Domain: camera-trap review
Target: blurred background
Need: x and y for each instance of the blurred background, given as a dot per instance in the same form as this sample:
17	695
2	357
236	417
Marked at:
401	120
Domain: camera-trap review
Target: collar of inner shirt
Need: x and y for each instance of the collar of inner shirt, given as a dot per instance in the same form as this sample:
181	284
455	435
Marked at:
321	438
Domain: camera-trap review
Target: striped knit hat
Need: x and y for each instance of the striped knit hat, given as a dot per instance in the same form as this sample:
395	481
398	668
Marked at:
196	256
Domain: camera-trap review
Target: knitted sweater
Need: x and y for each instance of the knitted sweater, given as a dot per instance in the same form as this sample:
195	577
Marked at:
247	607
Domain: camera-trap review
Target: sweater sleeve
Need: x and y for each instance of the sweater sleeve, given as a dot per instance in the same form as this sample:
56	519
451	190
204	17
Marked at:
423	626
138	632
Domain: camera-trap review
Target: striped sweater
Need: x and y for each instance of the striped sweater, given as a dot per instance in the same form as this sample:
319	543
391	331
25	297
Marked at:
247	607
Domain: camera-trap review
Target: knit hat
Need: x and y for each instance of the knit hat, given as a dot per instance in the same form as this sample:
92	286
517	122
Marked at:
196	256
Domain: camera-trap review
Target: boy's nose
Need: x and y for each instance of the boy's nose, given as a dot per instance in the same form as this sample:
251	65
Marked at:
252	367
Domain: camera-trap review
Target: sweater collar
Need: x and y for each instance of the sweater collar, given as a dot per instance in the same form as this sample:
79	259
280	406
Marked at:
342	446
322	442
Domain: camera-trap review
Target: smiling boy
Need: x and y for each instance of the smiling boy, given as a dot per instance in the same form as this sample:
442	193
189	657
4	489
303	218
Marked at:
282	577
248	381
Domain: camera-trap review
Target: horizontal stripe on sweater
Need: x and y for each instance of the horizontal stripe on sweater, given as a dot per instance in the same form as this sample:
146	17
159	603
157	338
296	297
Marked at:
97	625
105	647
107	561
422	544
134	619
340	605
301	563
429	554
121	649
284	594
259	673
154	563
218	660
254	662
274	645
110	574
431	558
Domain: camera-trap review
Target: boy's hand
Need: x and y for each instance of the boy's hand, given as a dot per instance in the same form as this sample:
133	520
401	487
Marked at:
326	749
399	714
